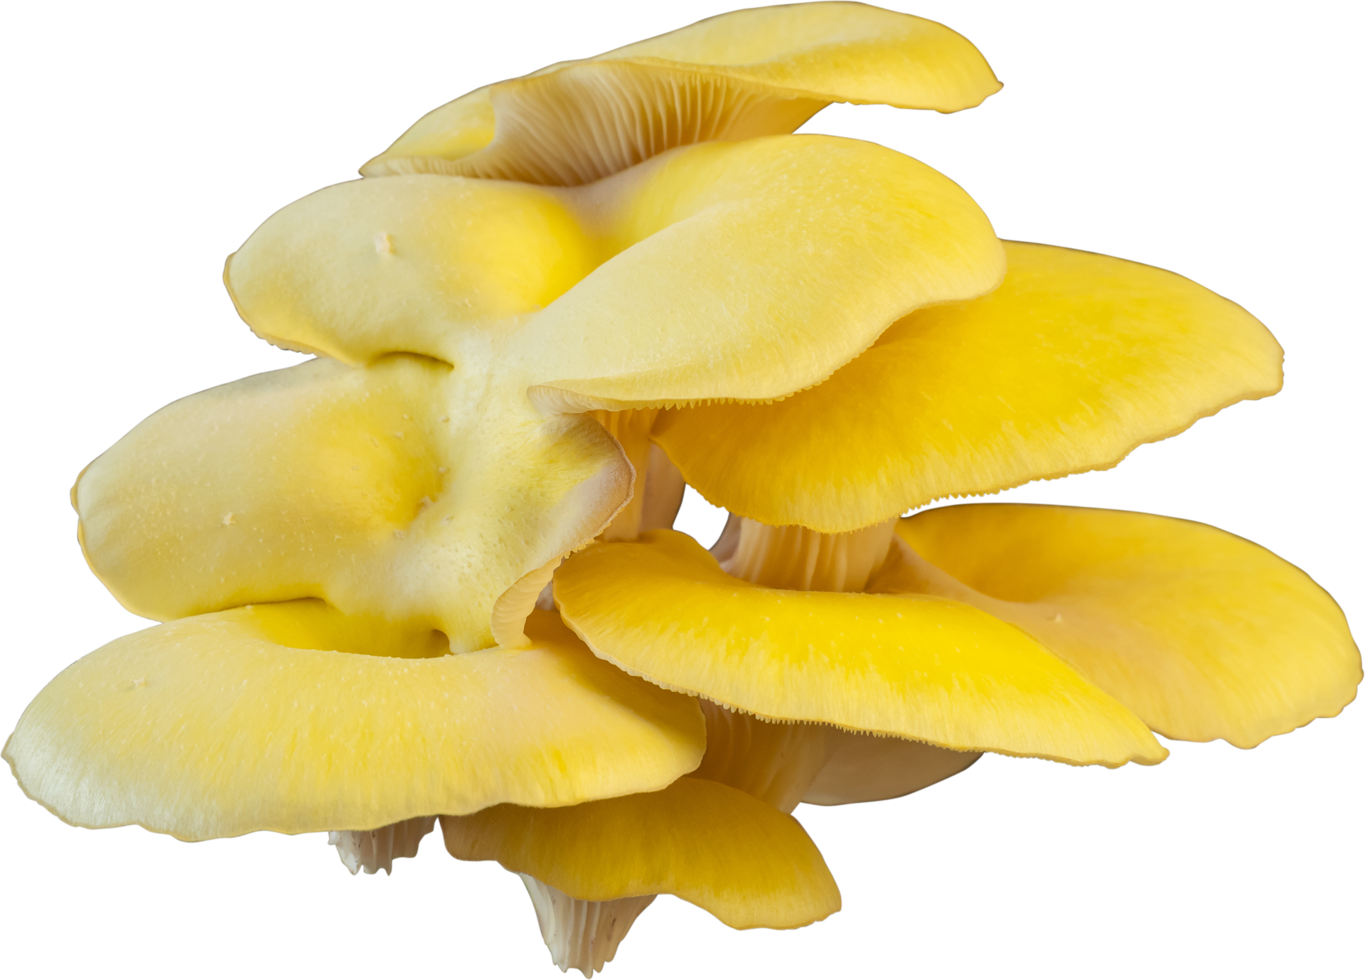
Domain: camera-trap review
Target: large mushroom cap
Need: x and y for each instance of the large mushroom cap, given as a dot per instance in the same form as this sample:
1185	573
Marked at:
721	271
293	717
1074	361
742	74
394	490
918	667
1202	633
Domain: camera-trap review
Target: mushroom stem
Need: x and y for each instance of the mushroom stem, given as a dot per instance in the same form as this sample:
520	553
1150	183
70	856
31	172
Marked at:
581	934
375	849
776	762
663	494
795	557
785	763
779	761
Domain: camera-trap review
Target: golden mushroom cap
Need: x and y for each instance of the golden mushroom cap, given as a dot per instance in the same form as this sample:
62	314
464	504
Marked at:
295	718
742	74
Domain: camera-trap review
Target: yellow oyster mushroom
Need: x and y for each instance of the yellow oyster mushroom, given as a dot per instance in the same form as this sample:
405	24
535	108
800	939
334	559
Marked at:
438	475
1203	634
293	717
1072	363
918	667
430	486
1101	619
592	869
719	271
830	560
391	491
739	75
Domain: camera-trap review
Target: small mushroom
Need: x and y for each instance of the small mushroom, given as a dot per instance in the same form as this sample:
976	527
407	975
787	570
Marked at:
738	858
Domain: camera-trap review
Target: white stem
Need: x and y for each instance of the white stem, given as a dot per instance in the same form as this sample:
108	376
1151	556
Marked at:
774	761
795	557
375	849
581	935
663	493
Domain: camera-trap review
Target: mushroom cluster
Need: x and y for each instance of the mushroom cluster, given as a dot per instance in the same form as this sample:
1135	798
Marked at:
431	572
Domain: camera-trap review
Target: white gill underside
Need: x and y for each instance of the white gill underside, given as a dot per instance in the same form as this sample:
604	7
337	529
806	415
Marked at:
862	768
586	122
375	849
786	763
581	935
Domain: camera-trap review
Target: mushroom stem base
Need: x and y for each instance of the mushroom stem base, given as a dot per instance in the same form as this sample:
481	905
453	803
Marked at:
581	934
375	849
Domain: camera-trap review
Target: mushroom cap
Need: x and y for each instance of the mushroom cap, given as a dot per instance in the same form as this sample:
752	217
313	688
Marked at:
717	271
295	718
398	490
917	666
742	74
738	858
1203	634
428	488
1072	363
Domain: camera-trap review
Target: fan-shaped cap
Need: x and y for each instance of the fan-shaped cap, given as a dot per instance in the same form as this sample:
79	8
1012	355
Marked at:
1202	633
1071	364
400	490
919	667
719	271
716	847
742	74
296	718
